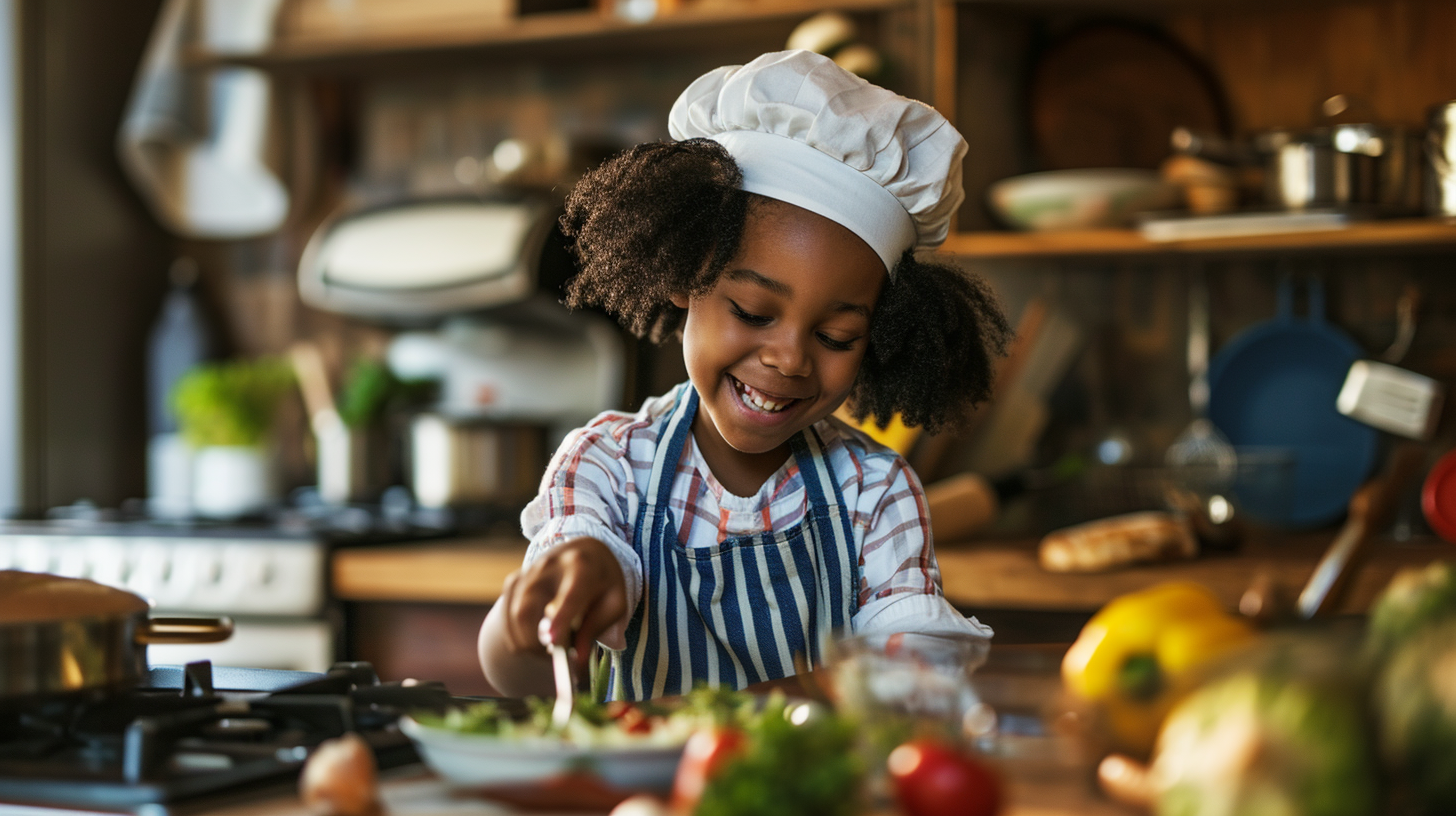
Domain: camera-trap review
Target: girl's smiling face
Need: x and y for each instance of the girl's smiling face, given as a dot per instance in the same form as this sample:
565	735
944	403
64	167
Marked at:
776	345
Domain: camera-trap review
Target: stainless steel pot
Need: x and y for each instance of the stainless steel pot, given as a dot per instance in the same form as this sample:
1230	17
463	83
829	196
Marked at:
1369	166
1440	194
61	634
458	462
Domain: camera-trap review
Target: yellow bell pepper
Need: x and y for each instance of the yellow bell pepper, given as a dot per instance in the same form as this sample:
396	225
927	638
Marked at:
1136	657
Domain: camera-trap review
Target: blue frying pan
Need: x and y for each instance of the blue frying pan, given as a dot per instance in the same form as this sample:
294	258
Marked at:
1274	386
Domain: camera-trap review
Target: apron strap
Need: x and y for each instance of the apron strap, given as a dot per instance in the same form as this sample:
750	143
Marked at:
839	567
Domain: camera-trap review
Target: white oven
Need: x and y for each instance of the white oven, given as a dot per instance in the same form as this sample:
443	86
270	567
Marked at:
273	585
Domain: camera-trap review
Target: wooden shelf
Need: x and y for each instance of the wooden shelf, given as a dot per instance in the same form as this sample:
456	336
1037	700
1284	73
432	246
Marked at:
1404	234
977	575
564	33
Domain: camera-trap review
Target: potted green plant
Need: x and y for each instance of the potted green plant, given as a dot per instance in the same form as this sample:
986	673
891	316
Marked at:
226	412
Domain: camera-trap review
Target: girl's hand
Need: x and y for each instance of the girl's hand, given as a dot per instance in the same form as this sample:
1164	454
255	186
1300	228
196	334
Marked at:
578	585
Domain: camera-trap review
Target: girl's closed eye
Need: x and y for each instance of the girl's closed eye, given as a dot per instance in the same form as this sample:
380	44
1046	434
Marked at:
837	345
747	316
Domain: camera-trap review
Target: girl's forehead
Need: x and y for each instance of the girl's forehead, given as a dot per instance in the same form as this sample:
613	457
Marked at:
781	227
796	251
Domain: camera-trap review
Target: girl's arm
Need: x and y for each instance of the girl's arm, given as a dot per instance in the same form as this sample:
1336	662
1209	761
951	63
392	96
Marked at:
579	585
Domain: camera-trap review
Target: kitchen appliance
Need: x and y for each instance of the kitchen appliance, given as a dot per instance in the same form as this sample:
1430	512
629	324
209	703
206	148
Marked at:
474	286
184	736
269	580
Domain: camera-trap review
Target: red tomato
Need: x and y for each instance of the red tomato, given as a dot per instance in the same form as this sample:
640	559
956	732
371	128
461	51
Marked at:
633	721
630	718
706	751
935	779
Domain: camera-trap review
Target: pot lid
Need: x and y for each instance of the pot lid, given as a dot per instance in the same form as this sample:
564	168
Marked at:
34	597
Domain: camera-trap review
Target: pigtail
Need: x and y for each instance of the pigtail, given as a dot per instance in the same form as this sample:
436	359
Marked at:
934	340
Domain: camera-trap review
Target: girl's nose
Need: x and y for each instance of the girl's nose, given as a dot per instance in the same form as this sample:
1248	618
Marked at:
785	353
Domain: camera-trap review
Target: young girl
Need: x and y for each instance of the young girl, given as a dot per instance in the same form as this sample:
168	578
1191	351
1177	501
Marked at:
728	530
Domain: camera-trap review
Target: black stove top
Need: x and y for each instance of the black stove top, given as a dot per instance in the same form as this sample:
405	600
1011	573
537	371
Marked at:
193	733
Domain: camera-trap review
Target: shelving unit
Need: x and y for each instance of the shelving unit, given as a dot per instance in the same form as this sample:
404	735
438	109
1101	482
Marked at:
554	34
930	31
1413	233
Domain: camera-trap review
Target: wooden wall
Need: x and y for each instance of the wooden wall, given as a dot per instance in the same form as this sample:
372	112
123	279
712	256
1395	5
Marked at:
93	262
1278	64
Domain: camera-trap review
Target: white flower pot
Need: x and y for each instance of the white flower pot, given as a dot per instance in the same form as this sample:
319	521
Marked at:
232	481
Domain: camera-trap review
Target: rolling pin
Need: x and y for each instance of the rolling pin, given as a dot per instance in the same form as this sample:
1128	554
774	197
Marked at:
963	505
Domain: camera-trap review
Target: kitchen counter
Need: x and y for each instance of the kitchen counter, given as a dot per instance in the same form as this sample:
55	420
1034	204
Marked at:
1045	775
976	575
414	791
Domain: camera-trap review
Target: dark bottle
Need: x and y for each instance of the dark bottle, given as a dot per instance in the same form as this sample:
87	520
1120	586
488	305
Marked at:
178	342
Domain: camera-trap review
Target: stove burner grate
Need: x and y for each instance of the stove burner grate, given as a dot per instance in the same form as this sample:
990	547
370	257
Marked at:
182	736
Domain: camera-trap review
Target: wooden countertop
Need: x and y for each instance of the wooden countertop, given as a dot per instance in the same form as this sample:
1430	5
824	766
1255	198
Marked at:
976	575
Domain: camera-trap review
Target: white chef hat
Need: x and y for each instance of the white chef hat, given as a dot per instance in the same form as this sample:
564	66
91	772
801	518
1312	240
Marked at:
805	131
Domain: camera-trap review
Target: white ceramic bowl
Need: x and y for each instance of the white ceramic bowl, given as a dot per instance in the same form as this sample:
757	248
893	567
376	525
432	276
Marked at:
1081	199
479	760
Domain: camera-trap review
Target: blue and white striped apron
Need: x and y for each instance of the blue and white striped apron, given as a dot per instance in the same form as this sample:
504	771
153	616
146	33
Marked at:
739	612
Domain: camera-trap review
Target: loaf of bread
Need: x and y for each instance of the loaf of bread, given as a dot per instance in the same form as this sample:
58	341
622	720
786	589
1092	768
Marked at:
1117	542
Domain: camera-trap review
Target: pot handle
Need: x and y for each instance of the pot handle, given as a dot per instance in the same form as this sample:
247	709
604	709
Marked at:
184	630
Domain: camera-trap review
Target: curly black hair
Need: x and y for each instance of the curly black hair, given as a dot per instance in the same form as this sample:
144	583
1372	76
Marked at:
666	217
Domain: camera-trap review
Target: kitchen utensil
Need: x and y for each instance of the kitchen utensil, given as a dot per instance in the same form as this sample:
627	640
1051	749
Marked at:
561	672
61	635
1006	440
1362	166
1391	398
1388	397
1438	497
469	461
1107	94
1370	509
960	506
479	761
1201	458
1274	386
340	454
1080	199
1440	177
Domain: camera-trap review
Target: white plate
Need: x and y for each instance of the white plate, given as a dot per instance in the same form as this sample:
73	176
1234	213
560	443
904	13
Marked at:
480	760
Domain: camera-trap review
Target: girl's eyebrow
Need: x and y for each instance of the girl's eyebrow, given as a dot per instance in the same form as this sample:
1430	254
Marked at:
777	287
784	290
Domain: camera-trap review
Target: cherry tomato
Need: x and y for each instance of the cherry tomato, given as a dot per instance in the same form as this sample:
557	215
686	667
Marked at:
634	721
933	778
707	750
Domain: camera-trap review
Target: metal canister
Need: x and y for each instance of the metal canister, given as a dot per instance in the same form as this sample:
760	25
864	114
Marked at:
1440	192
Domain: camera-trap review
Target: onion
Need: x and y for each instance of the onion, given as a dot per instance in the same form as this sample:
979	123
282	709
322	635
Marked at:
341	778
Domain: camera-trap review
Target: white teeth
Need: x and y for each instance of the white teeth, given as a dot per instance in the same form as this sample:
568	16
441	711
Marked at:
759	401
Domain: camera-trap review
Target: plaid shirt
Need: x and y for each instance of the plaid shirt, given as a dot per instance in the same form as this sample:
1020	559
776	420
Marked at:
598	477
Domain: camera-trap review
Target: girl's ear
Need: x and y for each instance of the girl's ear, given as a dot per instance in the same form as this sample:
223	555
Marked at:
679	299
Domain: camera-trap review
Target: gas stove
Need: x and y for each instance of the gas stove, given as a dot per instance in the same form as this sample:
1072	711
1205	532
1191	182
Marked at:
192	736
269	574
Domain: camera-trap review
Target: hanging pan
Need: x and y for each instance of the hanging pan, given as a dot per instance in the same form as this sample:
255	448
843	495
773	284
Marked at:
1274	387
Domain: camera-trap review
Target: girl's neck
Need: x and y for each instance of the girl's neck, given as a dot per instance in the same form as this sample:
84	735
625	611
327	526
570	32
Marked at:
741	474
